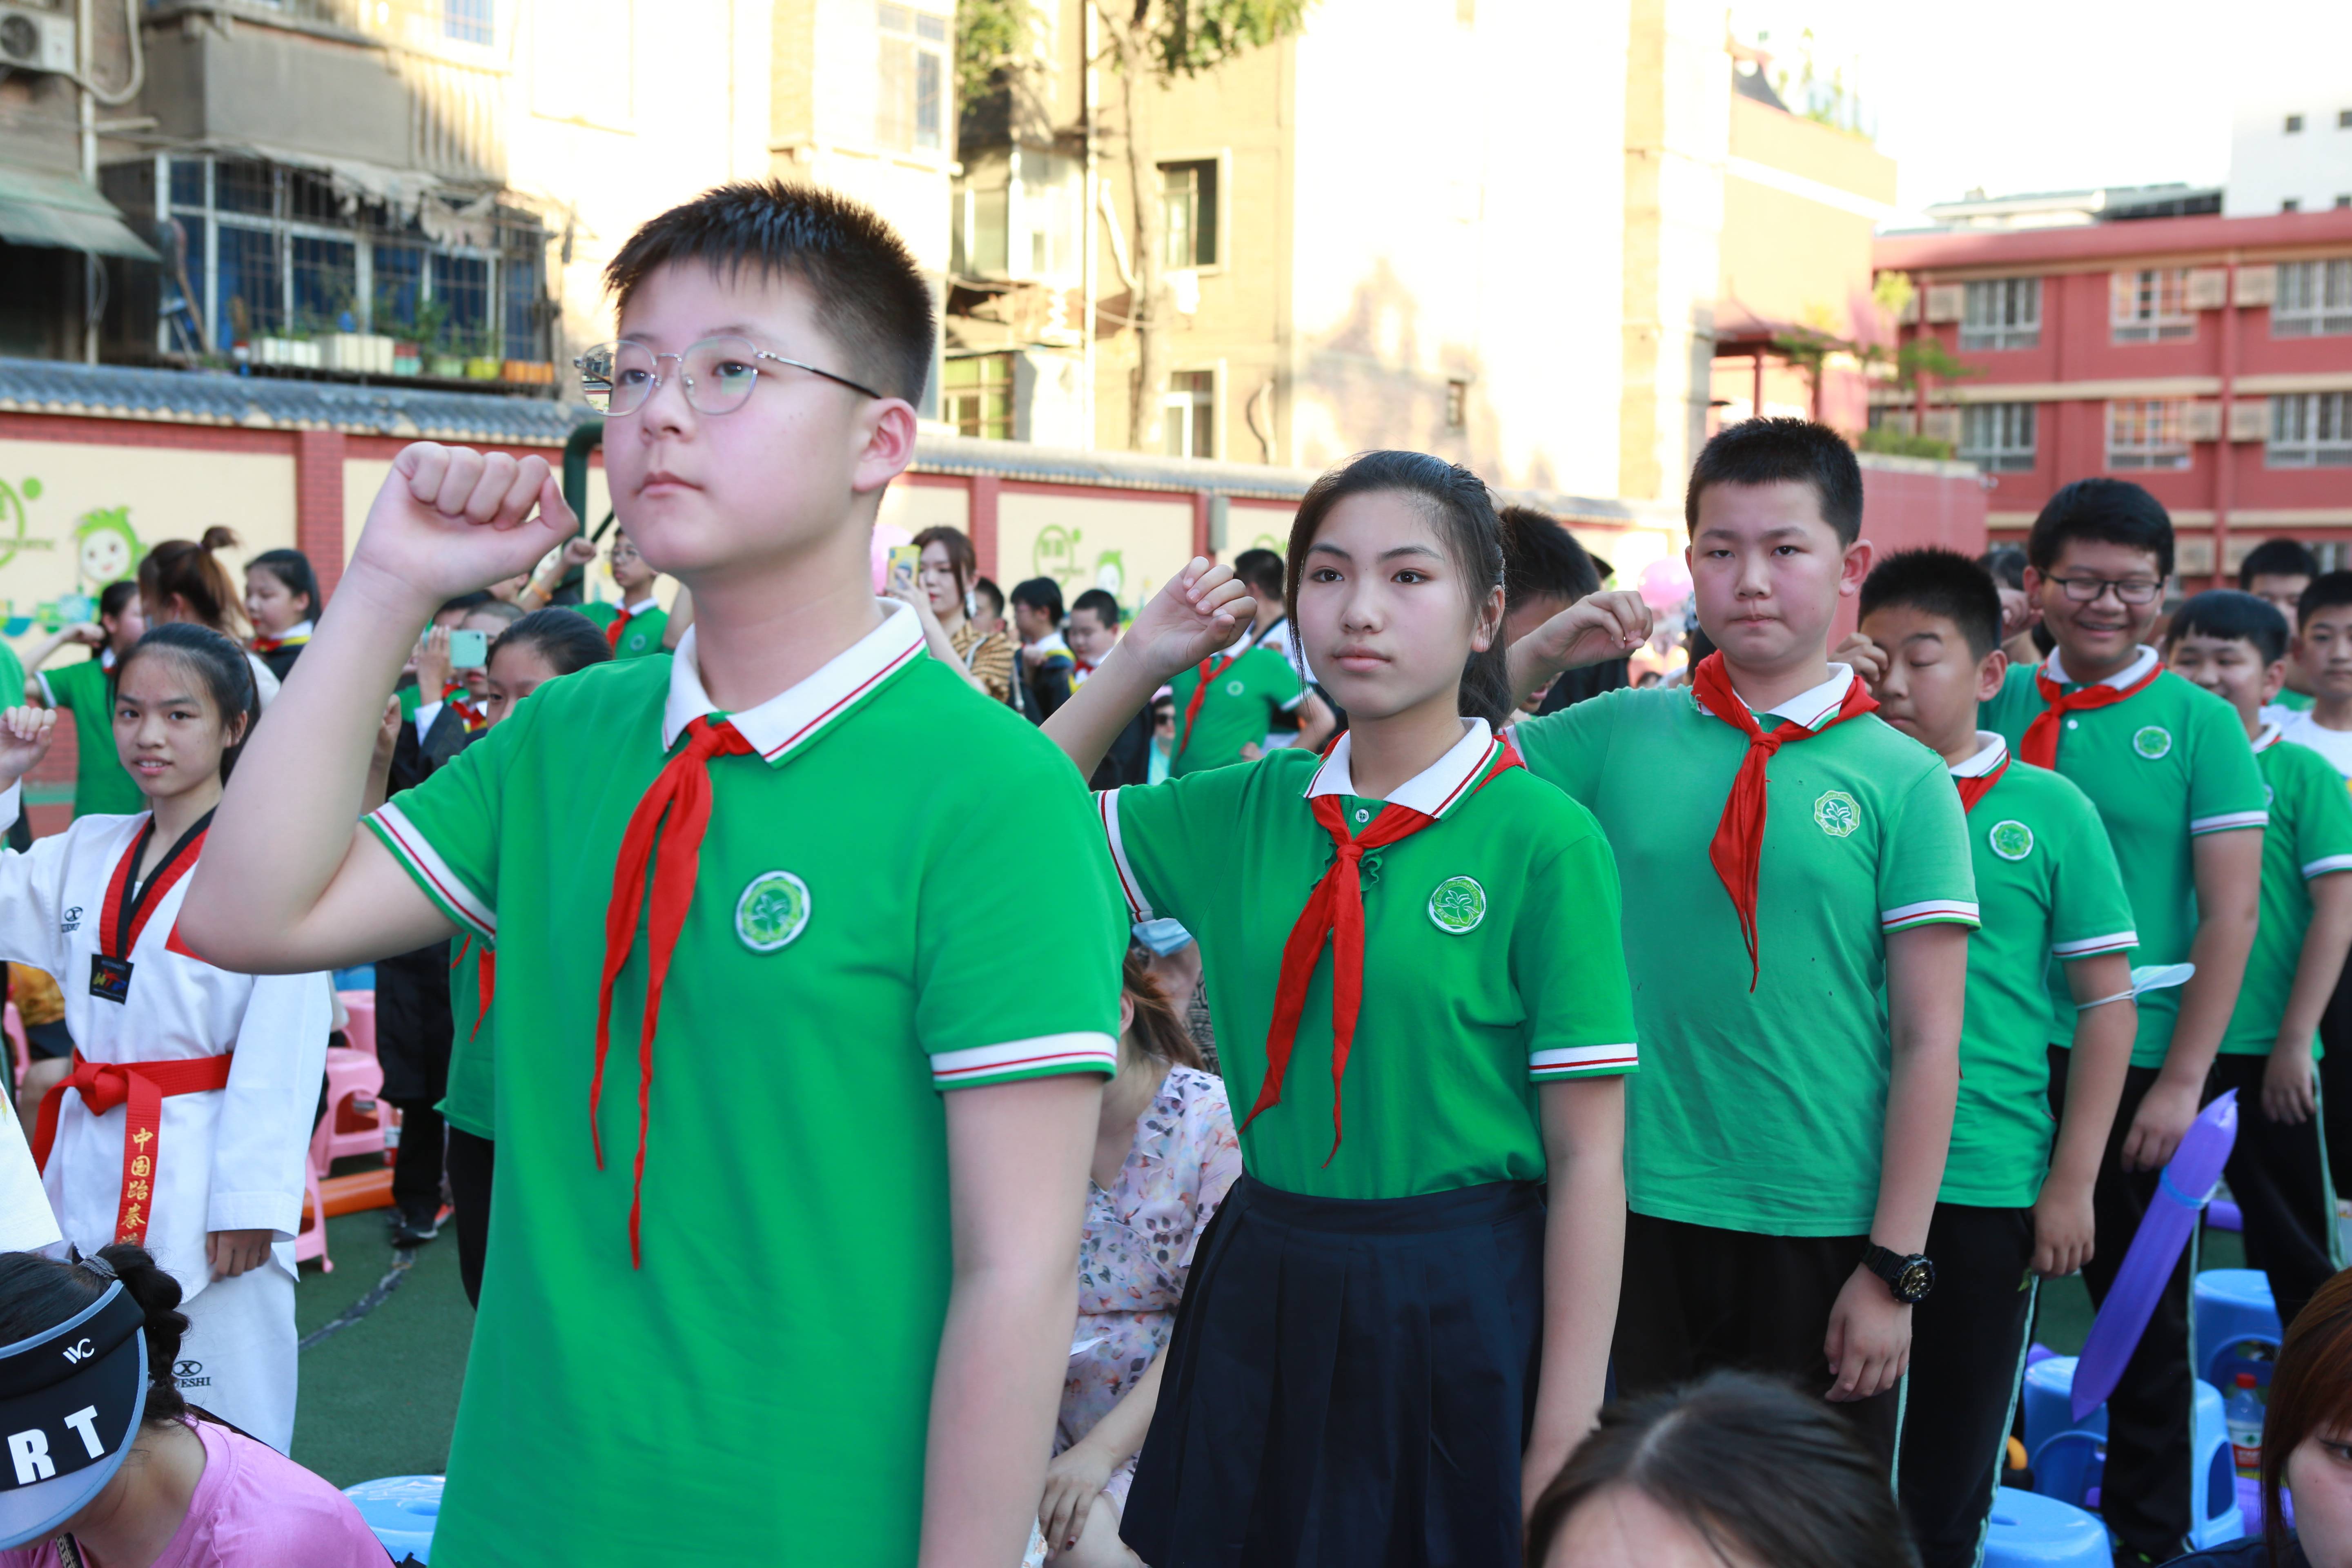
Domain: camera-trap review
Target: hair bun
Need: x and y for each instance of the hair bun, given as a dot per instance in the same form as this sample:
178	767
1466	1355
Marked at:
218	537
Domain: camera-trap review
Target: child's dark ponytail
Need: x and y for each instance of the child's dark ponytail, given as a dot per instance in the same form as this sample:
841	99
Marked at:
158	1295
39	1293
220	664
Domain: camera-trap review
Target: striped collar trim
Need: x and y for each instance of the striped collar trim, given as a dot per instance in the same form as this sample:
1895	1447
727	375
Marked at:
1434	791
793	717
1810	708
2269	736
1991	751
2138	669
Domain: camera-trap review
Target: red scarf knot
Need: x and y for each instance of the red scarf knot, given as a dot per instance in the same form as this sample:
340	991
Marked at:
1736	850
679	801
2040	746
617	625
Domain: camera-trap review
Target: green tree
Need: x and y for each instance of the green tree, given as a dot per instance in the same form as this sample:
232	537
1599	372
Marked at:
995	52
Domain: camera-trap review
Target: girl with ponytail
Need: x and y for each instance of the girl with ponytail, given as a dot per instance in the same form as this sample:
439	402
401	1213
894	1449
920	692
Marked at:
182	1120
171	1482
1419	994
180	581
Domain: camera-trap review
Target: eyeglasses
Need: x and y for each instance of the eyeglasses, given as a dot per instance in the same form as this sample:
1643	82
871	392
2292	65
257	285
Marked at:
717	374
2129	590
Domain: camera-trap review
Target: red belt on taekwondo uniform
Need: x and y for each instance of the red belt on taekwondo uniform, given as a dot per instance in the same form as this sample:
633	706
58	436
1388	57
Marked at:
144	1087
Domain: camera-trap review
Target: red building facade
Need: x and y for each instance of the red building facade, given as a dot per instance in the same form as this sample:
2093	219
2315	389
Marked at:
2207	358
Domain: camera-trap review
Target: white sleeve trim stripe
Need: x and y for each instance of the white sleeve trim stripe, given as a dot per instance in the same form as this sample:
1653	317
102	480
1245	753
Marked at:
2326	863
1582	1058
1106	806
1295	701
2229	820
411	846
49	695
1929	909
2085	946
1077	1052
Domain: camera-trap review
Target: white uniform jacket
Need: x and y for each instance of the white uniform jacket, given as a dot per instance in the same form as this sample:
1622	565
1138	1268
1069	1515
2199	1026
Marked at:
228	1159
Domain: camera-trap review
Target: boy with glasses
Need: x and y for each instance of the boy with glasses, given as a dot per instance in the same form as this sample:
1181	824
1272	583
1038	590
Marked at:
748	1266
634	627
2172	774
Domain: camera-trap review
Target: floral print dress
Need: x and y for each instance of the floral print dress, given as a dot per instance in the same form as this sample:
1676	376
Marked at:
1137	1248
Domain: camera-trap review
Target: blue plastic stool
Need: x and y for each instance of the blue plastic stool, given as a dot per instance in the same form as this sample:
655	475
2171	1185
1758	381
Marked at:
2233	1309
2215	1518
402	1510
2068	1461
2028	1530
2049	1387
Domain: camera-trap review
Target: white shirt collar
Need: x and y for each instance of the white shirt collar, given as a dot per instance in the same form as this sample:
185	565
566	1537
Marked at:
641	606
1810	708
791	718
2136	669
1434	791
106	658
1991	751
299	629
2269	735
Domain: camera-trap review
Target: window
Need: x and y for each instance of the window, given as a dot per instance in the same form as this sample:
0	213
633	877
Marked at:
2151	305
1998	437
2343	201
2314	299
1457	405
2344	120
1188	213
326	282
911	106
976	395
1188	423
2144	433
2291	205
2002	313
2311	430
469	21
2294	124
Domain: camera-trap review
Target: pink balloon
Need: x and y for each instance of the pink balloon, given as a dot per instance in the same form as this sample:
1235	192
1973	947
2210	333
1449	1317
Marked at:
1665	584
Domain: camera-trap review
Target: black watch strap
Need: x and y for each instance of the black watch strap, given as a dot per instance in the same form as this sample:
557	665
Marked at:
1908	1277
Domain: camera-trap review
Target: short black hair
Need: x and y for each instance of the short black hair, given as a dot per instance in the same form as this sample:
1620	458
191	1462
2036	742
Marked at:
2007	563
1102	603
1938	583
989	594
1542	560
463	602
116	596
2110	511
564	638
1260	571
1040	594
2233	616
871	296
2277	558
1782	450
2327	591
293	569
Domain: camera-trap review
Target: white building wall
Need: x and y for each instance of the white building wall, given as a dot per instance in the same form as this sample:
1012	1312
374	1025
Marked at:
2270	166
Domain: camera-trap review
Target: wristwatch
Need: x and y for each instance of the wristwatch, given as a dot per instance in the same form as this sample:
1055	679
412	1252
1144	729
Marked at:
1909	1279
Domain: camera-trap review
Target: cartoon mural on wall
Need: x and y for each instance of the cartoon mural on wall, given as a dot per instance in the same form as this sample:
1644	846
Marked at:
65	609
106	547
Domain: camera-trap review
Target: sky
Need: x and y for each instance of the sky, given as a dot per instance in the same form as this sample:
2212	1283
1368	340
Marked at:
2043	95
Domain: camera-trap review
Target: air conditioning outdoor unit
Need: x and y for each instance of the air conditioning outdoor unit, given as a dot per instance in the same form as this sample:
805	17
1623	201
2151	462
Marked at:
32	40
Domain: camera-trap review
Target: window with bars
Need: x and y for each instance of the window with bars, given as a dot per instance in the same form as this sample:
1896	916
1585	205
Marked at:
976	395
1998	437
2314	299
2311	430
469	21
2002	313
2151	306
911	107
2146	433
1188	425
1188	213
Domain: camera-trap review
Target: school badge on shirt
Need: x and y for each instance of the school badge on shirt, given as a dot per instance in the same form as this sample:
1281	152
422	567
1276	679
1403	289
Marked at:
1836	814
773	909
1457	906
2011	841
2152	741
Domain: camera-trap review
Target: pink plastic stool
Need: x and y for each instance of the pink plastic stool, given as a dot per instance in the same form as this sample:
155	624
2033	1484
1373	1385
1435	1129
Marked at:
356	1113
310	1240
360	1030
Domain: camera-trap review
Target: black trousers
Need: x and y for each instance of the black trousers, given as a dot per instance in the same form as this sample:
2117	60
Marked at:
416	1163
470	1159
1968	1351
2279	1174
1696	1297
2145	1496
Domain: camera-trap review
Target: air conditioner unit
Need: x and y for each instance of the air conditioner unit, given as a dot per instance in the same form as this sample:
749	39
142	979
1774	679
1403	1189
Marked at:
32	40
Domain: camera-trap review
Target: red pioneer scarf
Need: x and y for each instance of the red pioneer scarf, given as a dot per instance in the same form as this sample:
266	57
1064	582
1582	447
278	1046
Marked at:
1336	909
2040	745
682	792
469	711
485	981
271	644
617	625
1738	848
1976	789
1210	669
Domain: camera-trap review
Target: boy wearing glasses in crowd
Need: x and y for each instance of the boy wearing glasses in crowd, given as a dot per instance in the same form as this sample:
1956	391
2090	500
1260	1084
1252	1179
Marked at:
2173	776
752	1172
634	627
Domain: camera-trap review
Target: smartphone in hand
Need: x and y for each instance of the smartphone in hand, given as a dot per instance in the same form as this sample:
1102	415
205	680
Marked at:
468	650
903	561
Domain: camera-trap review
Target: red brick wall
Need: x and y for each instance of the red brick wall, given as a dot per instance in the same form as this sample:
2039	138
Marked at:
319	502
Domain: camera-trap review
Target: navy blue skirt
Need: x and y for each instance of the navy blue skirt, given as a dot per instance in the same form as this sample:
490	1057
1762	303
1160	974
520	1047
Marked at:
1350	1384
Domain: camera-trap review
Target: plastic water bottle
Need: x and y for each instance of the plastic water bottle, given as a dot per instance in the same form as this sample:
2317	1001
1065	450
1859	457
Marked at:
2243	1415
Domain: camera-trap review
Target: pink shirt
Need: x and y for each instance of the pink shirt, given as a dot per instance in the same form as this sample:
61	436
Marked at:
254	1508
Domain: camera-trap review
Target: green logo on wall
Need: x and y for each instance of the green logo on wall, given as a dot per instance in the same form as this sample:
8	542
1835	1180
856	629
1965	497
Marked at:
773	912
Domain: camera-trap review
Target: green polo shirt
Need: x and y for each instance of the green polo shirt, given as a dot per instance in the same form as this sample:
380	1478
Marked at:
2047	889
469	1097
763	1383
1491	961
2309	836
2300	702
1762	1108
641	637
2164	766
1246	700
102	785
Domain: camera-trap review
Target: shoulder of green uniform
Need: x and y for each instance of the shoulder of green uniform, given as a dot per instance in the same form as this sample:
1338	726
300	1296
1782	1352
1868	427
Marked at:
1907	758
2304	785
599	611
1546	820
